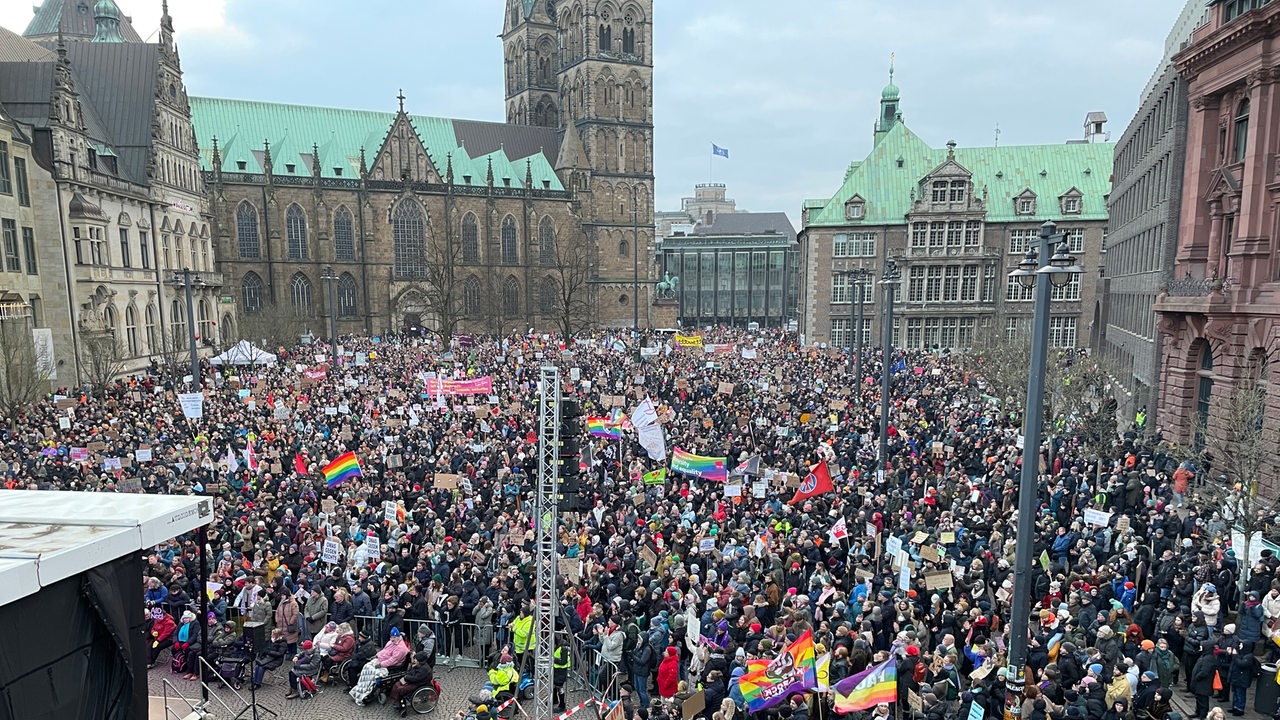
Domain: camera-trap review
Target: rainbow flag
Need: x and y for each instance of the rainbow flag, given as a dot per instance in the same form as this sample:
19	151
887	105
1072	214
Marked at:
345	467
707	468
794	671
875	685
603	427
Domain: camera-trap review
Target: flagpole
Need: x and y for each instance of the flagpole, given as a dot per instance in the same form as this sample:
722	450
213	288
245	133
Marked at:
710	161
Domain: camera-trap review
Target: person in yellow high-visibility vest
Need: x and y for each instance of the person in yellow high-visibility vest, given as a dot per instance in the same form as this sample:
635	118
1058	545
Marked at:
522	634
504	679
560	663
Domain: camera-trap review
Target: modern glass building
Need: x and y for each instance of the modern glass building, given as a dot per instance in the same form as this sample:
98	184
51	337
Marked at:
741	269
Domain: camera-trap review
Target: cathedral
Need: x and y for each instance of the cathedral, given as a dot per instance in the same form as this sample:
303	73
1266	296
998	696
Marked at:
391	221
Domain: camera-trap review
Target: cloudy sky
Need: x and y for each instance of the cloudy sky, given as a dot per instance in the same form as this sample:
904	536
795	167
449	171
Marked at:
790	88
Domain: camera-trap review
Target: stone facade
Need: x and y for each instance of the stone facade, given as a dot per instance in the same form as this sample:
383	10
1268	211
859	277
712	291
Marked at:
1220	313
1142	232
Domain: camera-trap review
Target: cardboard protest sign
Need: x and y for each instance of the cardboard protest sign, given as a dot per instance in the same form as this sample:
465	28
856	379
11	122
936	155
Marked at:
446	481
724	388
947	538
937	580
649	556
568	567
694	705
927	552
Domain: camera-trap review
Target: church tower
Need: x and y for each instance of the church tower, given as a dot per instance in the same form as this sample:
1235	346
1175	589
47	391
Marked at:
532	59
890	112
606	105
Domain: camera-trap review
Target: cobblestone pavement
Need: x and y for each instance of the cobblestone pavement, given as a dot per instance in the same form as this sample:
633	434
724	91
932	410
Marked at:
333	702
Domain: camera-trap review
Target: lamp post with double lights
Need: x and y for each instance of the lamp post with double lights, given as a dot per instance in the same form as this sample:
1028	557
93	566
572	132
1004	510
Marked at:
889	282
857	278
1058	272
333	316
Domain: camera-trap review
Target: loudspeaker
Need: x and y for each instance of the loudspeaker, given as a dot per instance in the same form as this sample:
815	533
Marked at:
256	634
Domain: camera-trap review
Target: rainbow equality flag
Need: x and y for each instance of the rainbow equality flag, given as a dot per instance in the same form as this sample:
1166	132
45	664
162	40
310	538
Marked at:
794	671
604	427
706	468
875	685
343	468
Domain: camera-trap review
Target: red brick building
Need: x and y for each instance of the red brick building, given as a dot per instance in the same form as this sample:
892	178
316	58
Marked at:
1220	310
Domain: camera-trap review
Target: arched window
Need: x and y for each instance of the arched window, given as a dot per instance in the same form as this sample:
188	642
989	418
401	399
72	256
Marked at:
623	248
547	242
1242	129
548	296
346	295
153	339
606	38
408	227
247	231
1204	392
629	33
251	293
131	331
295	226
202	327
511	297
470	239
109	318
344	238
471	297
300	295
510	255
178	318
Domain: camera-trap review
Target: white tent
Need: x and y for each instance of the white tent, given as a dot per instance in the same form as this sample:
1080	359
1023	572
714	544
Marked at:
244	353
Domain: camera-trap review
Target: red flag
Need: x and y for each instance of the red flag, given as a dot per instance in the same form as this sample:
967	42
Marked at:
817	482
300	464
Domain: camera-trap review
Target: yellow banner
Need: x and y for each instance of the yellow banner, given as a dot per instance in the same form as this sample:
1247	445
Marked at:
689	340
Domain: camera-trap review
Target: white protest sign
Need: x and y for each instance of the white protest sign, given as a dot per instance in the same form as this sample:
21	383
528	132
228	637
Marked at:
332	552
372	545
904	577
892	545
1097	517
389	511
64	423
192	405
142	454
707	545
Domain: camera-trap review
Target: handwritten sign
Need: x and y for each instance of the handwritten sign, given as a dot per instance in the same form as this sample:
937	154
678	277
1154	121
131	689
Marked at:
937	580
332	552
1097	517
446	481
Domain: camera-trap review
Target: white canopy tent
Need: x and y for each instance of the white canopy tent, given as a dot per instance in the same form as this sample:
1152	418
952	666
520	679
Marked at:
244	353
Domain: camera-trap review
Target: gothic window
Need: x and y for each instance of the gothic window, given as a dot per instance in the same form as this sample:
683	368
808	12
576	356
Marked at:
629	34
295	225
300	295
547	296
247	231
344	239
471	297
510	255
408	228
511	297
251	293
546	242
470	239
1242	129
346	295
606	37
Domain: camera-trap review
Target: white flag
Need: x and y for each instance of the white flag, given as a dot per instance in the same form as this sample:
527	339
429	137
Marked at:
644	415
232	464
651	439
839	531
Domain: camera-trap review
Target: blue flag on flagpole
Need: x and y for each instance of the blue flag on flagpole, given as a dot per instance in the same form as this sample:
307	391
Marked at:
900	366
717	150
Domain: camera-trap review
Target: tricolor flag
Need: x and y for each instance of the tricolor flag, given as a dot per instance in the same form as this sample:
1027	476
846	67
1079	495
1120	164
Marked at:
343	468
868	688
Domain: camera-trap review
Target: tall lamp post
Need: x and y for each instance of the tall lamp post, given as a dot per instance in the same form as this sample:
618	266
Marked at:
635	263
889	282
187	277
333	316
1058	272
859	276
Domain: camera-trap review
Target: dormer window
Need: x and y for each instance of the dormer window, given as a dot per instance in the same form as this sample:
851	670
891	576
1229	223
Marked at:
1071	202
1025	203
854	208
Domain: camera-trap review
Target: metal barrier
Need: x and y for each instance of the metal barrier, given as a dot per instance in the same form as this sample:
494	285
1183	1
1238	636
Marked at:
590	673
459	644
371	625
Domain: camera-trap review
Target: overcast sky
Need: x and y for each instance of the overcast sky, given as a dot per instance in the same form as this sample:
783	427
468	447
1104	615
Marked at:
790	88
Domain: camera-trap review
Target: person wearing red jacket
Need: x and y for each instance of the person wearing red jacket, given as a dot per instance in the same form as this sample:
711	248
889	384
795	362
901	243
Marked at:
162	629
669	674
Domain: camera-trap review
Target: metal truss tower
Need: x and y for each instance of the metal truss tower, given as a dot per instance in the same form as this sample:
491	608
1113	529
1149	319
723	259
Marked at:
544	619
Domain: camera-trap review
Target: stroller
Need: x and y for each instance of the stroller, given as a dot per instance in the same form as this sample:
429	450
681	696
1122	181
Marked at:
233	668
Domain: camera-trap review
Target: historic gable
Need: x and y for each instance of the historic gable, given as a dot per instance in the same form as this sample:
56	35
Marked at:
403	156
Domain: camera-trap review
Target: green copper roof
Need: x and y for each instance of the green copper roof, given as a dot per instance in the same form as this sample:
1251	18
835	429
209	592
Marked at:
1049	171
890	92
241	126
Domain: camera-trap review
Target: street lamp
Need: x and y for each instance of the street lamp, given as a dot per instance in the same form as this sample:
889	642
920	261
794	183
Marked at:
1059	272
635	263
889	281
333	316
859	277
187	277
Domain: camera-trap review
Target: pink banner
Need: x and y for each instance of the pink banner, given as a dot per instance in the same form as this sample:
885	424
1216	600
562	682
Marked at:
475	386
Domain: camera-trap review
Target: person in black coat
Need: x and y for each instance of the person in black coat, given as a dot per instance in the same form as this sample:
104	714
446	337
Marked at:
419	674
1201	682
270	657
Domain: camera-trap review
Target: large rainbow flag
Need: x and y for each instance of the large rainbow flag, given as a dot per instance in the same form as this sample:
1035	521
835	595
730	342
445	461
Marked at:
343	468
794	671
707	468
875	685
604	427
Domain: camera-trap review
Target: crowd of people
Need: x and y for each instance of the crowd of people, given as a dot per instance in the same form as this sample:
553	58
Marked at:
668	590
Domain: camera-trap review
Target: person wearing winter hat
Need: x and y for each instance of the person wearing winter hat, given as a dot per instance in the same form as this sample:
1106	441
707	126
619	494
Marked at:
306	664
504	679
393	654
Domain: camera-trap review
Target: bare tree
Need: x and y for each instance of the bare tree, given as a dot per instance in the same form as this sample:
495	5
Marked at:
174	354
1237	445
102	360
439	287
575	266
273	324
24	370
